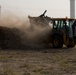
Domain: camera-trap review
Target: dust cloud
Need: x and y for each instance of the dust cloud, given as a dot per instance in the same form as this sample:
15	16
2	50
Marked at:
23	36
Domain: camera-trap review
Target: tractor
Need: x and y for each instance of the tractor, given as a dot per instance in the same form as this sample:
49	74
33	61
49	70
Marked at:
63	30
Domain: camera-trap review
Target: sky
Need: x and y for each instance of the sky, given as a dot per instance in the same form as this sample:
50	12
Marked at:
55	8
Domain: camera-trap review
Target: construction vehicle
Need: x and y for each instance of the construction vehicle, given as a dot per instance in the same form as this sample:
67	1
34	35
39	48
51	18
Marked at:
41	20
63	30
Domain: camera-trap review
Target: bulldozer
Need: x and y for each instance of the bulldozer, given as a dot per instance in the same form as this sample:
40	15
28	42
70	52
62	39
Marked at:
63	30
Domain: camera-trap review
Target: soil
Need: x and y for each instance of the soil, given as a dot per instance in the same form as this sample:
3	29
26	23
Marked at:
38	61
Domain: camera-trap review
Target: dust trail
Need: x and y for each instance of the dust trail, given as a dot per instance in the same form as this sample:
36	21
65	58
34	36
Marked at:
13	21
22	29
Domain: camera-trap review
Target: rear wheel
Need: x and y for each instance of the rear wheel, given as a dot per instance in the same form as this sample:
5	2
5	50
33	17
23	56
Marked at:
70	43
70	46
57	41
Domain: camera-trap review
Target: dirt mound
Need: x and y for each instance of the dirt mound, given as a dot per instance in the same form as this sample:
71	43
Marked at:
9	38
15	38
16	33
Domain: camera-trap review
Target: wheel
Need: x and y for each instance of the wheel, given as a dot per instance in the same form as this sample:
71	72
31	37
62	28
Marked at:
57	41
71	46
70	43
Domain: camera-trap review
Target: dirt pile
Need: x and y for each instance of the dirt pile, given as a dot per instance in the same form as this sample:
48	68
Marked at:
9	39
17	33
15	38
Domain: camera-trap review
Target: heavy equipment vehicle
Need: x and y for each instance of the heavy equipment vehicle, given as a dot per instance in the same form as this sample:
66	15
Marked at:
63	30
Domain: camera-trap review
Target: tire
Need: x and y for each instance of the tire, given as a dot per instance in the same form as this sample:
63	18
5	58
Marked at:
57	41
70	46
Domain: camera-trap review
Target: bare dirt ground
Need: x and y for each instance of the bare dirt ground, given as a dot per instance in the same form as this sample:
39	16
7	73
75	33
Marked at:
32	58
38	62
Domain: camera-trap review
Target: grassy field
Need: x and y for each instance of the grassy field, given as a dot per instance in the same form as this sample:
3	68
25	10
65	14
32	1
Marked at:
38	62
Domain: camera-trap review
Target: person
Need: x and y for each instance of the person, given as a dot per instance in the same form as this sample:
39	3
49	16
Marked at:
66	28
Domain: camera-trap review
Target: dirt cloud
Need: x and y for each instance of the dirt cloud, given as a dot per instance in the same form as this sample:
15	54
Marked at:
21	28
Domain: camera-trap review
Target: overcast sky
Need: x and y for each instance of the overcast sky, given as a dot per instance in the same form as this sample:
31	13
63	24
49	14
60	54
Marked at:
55	8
